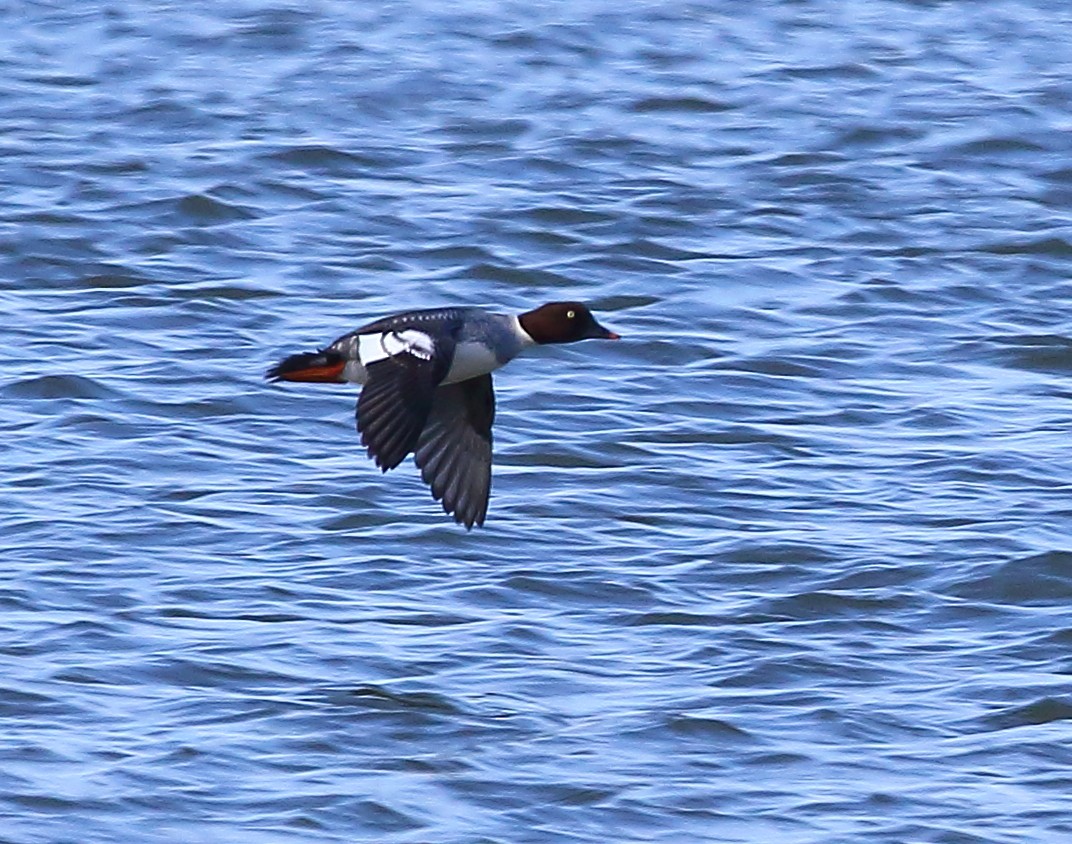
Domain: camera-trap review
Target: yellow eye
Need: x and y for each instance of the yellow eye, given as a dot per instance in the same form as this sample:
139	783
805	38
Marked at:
570	314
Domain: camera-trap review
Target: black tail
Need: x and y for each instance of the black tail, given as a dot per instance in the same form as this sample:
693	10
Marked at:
308	366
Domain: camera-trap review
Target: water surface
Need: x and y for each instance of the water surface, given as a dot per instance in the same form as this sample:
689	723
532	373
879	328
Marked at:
791	562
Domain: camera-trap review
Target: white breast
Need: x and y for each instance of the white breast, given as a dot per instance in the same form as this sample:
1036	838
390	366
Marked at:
471	360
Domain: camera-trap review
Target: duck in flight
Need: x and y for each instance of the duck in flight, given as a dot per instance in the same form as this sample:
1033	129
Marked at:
427	387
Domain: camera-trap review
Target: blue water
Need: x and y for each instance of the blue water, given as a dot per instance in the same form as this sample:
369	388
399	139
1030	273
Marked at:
792	562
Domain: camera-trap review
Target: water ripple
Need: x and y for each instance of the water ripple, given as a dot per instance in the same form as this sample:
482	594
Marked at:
788	563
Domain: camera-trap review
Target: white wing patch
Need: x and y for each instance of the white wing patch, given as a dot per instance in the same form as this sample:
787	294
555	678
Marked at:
410	341
376	347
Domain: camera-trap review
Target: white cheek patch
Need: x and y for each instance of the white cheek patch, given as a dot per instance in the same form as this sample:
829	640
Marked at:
376	347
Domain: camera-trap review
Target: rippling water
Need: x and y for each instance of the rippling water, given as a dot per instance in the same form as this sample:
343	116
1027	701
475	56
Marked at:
792	562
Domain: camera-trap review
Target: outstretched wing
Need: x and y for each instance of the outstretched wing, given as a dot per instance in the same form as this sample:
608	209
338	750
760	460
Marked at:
454	450
404	366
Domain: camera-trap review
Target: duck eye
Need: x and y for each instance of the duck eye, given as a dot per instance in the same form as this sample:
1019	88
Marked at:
570	314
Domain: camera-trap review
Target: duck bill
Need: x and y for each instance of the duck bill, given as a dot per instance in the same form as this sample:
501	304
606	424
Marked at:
601	333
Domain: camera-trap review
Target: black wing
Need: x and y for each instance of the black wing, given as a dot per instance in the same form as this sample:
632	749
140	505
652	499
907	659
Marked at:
454	451
397	397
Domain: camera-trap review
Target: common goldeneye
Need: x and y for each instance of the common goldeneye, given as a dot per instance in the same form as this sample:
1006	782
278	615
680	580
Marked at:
427	387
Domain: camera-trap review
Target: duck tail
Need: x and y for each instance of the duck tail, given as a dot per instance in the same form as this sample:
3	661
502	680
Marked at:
323	366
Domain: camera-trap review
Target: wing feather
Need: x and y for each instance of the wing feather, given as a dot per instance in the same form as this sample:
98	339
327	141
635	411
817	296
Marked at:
397	398
454	449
